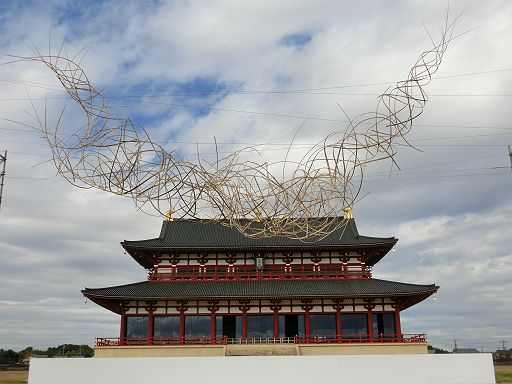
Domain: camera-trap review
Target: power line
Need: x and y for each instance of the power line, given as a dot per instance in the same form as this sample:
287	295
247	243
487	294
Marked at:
19	129
453	161
282	145
28	154
373	94
460	137
54	87
35	130
35	178
369	179
50	87
403	171
133	98
459	145
432	125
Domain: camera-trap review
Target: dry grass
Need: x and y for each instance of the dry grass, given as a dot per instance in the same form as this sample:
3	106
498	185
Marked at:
503	374
13	377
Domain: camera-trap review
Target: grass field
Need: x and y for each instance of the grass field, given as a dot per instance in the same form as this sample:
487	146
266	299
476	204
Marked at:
503	375
13	377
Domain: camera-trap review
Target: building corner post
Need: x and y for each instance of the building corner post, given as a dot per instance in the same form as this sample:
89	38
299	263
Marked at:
398	326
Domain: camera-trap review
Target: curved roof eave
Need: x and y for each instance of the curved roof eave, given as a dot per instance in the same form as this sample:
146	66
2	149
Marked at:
262	289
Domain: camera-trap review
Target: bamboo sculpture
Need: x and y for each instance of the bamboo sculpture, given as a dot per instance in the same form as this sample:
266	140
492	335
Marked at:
112	154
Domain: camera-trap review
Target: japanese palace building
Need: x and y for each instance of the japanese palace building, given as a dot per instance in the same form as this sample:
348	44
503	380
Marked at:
212	291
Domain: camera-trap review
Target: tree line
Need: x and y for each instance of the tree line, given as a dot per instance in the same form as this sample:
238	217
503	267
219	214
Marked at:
10	357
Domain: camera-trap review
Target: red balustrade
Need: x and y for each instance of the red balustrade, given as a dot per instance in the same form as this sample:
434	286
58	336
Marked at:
116	341
268	272
223	340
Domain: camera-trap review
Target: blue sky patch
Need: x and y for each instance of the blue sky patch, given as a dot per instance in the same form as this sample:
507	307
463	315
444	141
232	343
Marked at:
202	87
195	97
297	40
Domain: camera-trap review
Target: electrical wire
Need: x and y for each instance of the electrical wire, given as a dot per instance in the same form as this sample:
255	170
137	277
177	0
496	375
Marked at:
249	92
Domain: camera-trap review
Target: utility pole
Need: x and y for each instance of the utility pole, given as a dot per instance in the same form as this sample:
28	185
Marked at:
3	160
503	345
510	155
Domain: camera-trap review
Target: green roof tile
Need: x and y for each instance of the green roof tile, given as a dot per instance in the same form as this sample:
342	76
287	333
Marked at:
260	289
211	234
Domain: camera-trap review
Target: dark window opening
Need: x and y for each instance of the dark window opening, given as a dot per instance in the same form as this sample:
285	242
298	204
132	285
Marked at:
136	329
229	326
166	329
291	326
261	326
383	326
354	327
322	327
197	328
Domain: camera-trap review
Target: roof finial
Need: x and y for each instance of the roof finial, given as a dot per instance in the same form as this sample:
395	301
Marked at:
348	213
168	215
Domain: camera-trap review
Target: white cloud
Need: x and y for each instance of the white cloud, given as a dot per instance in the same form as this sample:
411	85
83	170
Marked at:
453	229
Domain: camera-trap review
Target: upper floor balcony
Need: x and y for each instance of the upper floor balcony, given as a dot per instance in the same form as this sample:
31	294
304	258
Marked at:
267	272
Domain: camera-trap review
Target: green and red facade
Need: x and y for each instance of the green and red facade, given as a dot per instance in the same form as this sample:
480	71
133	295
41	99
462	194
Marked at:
208	284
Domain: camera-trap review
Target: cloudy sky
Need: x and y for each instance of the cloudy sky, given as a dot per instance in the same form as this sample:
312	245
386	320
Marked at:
250	72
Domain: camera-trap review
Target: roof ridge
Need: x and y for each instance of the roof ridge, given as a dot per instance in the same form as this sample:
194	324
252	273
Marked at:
401	282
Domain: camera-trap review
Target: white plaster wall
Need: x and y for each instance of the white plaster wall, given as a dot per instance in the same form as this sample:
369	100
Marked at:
401	369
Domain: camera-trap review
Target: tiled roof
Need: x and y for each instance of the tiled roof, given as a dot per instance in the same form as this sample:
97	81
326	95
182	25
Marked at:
261	289
207	234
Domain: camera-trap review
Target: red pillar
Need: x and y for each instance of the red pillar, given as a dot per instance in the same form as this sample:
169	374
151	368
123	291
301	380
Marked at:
213	327
398	326
370	323
338	326
150	327
244	323
276	323
122	332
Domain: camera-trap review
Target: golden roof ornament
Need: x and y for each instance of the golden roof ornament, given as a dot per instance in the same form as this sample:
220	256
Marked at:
348	213
168	215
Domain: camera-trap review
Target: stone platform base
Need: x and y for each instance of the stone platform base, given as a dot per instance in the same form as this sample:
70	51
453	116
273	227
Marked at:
396	369
263	350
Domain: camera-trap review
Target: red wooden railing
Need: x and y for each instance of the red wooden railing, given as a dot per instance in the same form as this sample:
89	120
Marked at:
269	272
116	341
223	340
